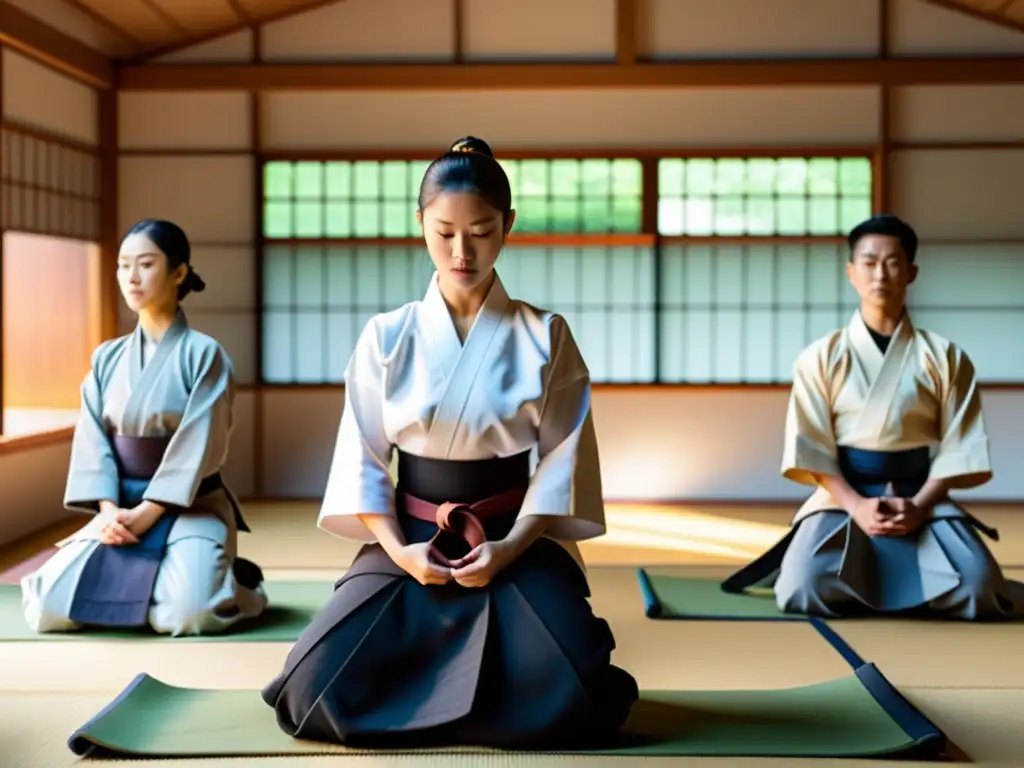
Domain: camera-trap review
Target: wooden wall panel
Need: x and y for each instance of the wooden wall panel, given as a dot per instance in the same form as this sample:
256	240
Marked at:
958	113
671	29
964	194
32	486
584	31
798	117
209	197
179	122
48	338
68	109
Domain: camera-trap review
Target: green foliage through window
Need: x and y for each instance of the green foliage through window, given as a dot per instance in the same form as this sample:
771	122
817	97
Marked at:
576	196
789	196
762	196
371	199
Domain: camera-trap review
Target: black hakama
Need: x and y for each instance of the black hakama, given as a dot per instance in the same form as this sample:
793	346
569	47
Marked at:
520	663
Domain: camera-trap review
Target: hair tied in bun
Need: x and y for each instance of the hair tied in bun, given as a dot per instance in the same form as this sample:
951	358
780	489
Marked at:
196	284
472	145
468	166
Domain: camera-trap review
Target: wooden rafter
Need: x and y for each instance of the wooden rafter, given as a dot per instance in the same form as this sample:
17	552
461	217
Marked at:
994	16
39	40
255	21
168	18
380	77
243	16
108	24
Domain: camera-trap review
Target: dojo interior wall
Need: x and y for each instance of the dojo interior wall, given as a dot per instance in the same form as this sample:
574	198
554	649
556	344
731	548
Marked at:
50	294
187	156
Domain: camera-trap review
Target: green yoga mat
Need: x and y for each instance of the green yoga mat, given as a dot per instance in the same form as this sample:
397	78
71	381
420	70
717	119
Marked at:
292	605
860	715
678	597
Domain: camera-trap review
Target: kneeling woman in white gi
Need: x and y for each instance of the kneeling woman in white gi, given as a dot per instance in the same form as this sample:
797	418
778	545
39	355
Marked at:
467	620
147	453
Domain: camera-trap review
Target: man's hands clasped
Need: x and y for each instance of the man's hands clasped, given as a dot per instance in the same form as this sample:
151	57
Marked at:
888	515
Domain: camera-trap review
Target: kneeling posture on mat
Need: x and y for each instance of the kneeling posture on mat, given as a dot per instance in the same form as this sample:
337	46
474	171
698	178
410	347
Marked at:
885	419
148	447
468	620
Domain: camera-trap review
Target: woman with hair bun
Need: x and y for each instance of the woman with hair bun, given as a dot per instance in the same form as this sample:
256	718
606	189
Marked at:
465	618
146	458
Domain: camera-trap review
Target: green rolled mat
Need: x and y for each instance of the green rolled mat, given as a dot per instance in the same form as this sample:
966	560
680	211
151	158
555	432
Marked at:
860	715
292	606
688	597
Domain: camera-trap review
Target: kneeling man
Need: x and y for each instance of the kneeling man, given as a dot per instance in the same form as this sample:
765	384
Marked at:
884	420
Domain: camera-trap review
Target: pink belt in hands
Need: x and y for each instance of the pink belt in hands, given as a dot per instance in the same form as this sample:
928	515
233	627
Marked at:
465	520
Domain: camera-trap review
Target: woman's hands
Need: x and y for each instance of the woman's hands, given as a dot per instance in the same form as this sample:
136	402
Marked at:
112	531
140	519
482	564
476	569
124	526
415	560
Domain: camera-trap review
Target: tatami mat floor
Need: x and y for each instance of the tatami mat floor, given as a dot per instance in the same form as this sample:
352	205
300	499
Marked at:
968	678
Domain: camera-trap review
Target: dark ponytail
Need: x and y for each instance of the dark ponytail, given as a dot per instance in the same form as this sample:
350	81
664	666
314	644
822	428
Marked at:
469	166
172	240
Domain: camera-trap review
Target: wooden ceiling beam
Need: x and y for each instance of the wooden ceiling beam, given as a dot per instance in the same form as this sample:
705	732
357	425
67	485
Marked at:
625	31
441	77
35	38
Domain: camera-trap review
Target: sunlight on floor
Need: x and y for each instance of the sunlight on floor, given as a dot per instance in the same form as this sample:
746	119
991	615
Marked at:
687	530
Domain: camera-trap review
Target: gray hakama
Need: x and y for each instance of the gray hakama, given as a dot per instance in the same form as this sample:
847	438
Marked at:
828	566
